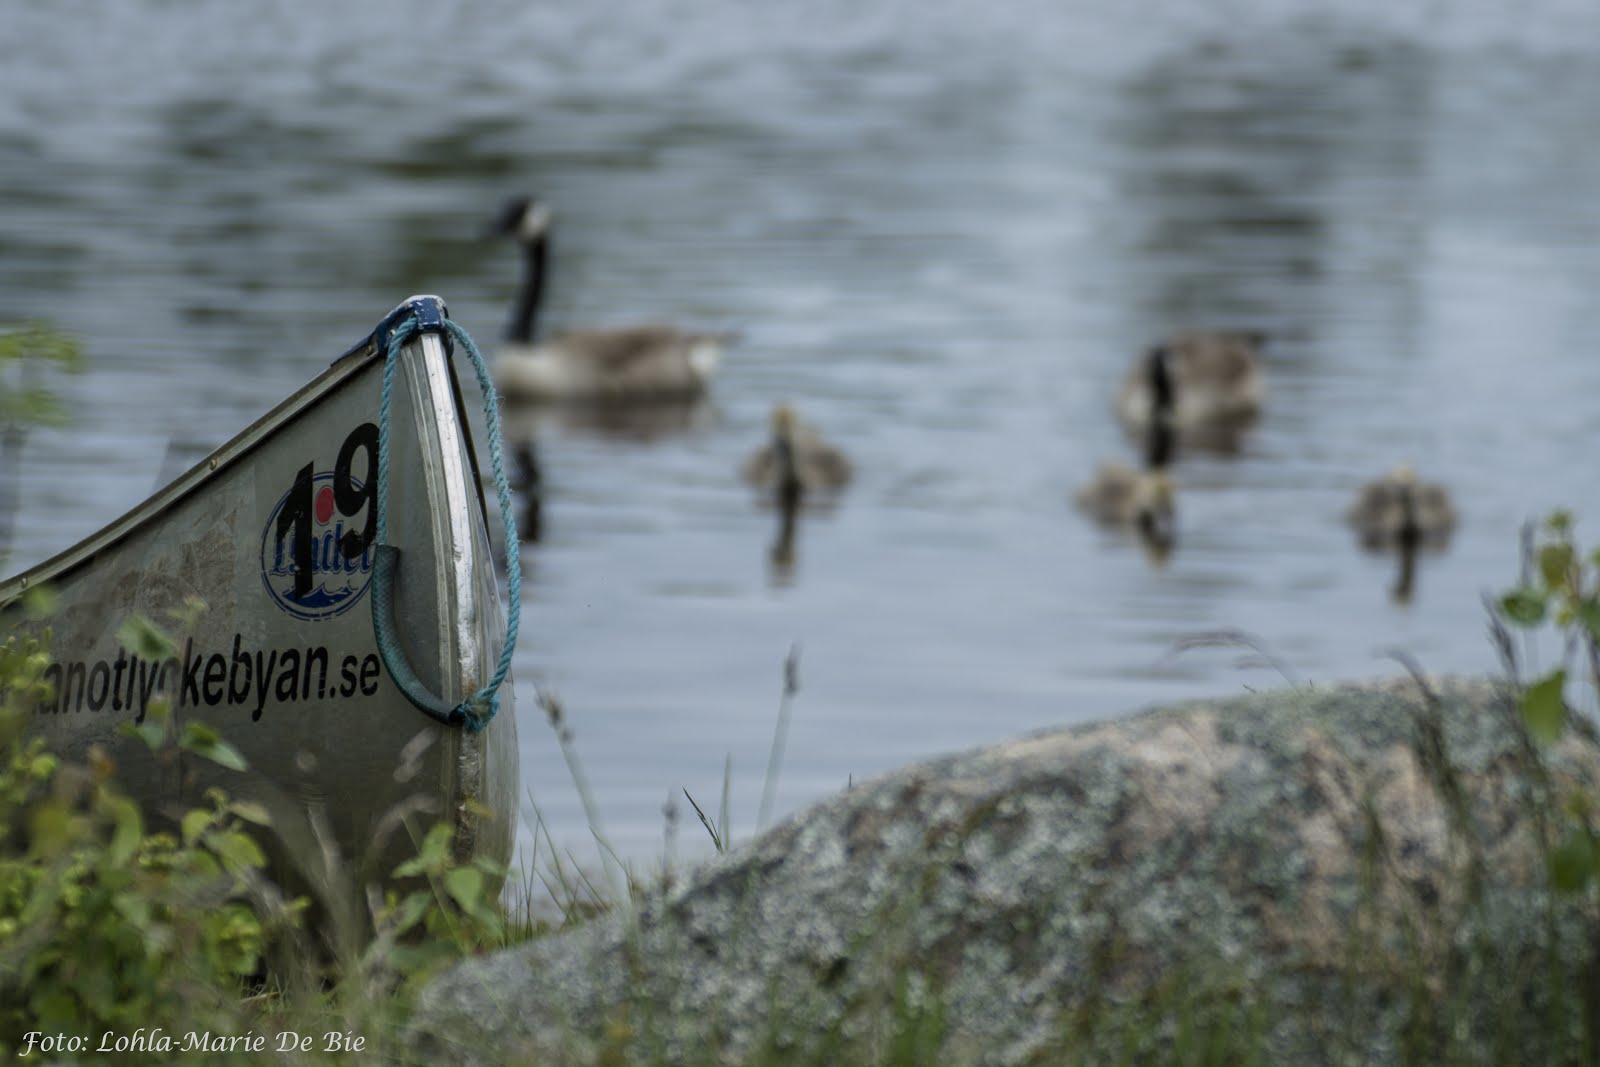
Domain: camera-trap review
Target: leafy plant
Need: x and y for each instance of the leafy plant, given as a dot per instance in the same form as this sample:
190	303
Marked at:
454	913
1560	589
106	925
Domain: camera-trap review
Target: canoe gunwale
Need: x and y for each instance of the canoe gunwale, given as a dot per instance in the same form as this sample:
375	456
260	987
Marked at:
430	312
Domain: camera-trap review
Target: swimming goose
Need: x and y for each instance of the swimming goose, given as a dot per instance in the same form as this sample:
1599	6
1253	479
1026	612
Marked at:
630	363
1217	383
1401	511
1142	500
793	465
796	462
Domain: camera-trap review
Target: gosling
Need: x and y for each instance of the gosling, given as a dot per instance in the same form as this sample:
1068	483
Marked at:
1401	511
796	462
1139	500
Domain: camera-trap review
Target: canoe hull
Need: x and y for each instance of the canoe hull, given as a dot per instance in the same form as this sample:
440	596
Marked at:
258	565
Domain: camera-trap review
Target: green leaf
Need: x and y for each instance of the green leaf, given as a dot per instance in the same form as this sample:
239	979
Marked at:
251	812
96	988
129	832
134	907
238	852
1524	606
194	824
145	639
1555	564
435	851
1588	612
206	743
188	616
200	733
1572	864
50	829
1543	708
54	1009
41	767
40	602
465	886
152	733
410	911
203	865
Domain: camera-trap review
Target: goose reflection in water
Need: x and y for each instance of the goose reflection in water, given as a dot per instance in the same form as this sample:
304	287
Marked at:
524	425
527	481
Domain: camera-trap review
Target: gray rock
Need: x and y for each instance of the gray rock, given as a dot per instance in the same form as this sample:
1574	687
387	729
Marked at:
1349	874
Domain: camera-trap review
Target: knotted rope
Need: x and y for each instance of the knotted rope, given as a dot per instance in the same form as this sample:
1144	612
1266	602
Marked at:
477	710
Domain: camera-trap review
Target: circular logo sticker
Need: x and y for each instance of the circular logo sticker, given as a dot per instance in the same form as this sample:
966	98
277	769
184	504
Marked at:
335	581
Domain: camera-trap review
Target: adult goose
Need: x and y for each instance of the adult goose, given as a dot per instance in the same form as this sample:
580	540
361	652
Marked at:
624	364
1142	499
1217	386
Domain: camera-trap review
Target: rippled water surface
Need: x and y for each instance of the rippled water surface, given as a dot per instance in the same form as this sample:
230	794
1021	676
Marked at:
942	235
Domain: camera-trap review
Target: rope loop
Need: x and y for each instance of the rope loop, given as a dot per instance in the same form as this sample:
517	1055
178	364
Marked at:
478	710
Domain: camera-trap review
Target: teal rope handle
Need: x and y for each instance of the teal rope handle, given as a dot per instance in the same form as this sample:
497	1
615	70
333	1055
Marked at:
478	710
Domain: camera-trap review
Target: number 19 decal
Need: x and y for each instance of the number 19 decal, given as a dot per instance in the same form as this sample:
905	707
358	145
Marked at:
316	549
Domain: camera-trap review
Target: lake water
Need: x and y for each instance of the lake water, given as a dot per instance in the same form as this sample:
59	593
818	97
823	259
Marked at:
942	234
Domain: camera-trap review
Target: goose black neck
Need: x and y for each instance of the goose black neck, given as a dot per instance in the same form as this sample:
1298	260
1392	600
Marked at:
1159	441
525	313
789	485
1163	396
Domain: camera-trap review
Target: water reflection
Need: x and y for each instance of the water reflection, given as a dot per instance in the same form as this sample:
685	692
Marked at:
640	422
181	453
1236	158
1405	581
12	439
781	555
524	426
527	481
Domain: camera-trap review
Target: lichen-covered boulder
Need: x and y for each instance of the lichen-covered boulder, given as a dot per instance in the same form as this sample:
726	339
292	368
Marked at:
1345	874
